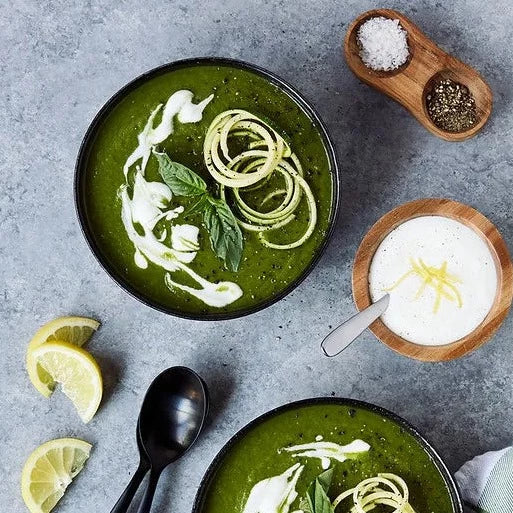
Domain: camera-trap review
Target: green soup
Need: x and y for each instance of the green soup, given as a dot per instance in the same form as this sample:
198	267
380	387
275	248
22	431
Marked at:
255	456
263	272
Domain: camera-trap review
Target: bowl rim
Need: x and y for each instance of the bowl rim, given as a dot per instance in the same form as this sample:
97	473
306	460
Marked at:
466	215
209	474
83	153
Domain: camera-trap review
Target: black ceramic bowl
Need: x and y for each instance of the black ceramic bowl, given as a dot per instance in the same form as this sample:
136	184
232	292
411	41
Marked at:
406	426
80	188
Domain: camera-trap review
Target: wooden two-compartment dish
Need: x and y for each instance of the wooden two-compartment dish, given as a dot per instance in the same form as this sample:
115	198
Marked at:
471	218
411	83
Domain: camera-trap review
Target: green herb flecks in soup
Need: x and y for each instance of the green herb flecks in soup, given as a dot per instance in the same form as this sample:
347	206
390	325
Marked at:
209	189
280	465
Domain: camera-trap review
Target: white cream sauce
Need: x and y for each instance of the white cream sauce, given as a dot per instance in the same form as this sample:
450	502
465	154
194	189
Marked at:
277	494
184	237
274	494
179	104
327	451
150	203
434	240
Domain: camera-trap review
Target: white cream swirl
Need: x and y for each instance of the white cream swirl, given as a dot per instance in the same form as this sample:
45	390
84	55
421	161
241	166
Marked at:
150	203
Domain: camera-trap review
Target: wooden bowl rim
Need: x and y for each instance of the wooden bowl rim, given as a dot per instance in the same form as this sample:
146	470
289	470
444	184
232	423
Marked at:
471	218
484	113
351	35
451	63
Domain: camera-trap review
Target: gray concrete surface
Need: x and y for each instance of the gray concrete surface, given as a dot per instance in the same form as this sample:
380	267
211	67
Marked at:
60	61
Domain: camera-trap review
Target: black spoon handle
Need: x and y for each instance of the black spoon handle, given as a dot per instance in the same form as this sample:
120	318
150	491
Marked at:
126	497
147	499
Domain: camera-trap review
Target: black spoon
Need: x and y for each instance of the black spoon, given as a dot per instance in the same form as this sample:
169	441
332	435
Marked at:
171	418
144	465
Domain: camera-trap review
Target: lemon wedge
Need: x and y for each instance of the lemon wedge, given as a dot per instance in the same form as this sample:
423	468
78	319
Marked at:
49	470
75	330
76	371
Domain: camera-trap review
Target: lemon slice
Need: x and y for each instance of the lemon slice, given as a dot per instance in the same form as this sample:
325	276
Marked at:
49	470
76	330
77	372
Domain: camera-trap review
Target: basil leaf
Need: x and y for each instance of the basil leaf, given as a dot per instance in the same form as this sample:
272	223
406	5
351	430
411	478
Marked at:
317	493
225	234
180	179
322	501
199	206
325	479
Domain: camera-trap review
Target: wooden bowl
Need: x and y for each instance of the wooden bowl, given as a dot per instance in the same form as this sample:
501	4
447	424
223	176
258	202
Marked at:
484	228
410	83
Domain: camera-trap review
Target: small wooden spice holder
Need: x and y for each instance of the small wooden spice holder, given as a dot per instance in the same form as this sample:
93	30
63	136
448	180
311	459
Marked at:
410	83
484	228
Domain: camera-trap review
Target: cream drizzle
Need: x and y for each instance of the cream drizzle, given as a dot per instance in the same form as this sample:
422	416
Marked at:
274	494
184	237
150	203
179	104
326	451
277	494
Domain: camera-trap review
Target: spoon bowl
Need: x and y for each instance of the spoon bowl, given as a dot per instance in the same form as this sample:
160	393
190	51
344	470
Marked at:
172	415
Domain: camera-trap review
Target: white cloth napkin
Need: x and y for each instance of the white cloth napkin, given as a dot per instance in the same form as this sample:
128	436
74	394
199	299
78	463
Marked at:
486	482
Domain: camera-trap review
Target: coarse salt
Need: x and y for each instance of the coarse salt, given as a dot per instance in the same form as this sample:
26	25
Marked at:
383	44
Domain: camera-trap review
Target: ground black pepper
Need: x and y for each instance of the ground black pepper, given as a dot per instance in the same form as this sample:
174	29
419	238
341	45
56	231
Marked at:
451	106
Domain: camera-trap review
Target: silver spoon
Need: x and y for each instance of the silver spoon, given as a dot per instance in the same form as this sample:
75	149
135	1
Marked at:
348	331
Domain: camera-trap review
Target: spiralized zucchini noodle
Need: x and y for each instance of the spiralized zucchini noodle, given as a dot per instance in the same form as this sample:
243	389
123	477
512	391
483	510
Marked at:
384	489
266	153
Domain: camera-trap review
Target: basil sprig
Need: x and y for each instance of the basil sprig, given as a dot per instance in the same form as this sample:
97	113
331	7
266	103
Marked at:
317	500
224	232
180	179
